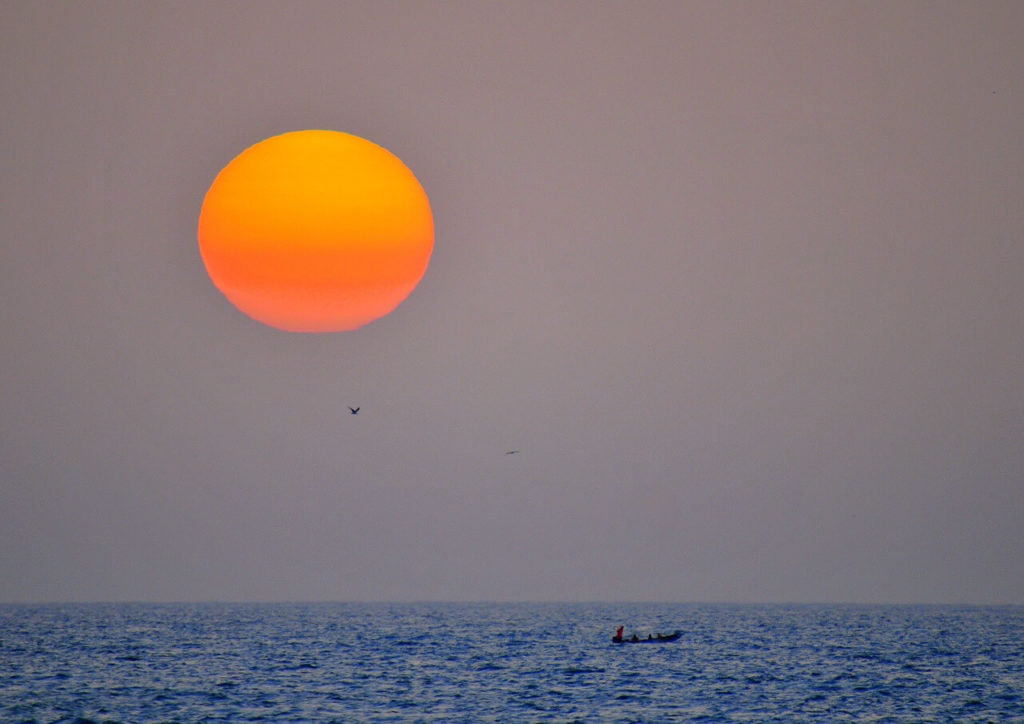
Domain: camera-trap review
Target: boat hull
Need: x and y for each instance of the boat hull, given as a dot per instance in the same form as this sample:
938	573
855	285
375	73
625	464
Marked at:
659	640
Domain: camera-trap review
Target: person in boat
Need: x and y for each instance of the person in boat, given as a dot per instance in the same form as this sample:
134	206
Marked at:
618	633
651	636
635	637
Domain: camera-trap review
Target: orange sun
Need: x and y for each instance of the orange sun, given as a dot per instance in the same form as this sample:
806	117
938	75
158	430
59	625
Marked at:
316	231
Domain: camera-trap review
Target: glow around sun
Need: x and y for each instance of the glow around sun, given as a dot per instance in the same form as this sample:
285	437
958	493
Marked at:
316	231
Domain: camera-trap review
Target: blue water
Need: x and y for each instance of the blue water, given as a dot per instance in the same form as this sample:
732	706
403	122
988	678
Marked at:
508	662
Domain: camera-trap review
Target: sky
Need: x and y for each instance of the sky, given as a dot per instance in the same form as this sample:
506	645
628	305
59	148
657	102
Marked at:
742	282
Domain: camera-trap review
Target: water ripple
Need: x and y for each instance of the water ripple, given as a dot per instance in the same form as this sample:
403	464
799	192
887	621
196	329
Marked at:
107	664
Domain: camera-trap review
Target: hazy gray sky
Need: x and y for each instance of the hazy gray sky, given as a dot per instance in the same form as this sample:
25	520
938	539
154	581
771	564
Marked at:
744	282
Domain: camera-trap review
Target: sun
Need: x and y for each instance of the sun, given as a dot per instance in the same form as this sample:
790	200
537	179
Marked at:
316	231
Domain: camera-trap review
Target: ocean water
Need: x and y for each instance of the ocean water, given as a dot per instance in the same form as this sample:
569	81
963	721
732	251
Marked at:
508	663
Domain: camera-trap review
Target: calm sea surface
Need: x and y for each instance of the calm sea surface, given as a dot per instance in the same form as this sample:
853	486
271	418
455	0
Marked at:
508	662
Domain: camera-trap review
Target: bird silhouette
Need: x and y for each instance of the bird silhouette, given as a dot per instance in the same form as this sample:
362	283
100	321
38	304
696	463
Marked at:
354	410
511	452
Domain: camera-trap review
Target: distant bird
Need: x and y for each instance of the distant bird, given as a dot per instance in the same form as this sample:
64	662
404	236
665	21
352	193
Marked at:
511	452
354	410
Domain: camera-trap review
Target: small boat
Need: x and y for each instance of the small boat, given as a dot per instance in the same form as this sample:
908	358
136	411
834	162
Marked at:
659	639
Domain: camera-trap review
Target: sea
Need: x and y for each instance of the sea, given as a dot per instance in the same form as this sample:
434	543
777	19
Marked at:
509	662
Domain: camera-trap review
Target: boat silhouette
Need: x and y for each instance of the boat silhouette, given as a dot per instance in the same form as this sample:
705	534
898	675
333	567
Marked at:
651	639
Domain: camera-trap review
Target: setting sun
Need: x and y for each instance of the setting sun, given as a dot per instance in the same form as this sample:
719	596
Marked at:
316	231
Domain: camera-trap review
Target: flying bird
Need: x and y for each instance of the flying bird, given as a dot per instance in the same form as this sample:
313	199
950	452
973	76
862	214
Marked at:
354	410
511	452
